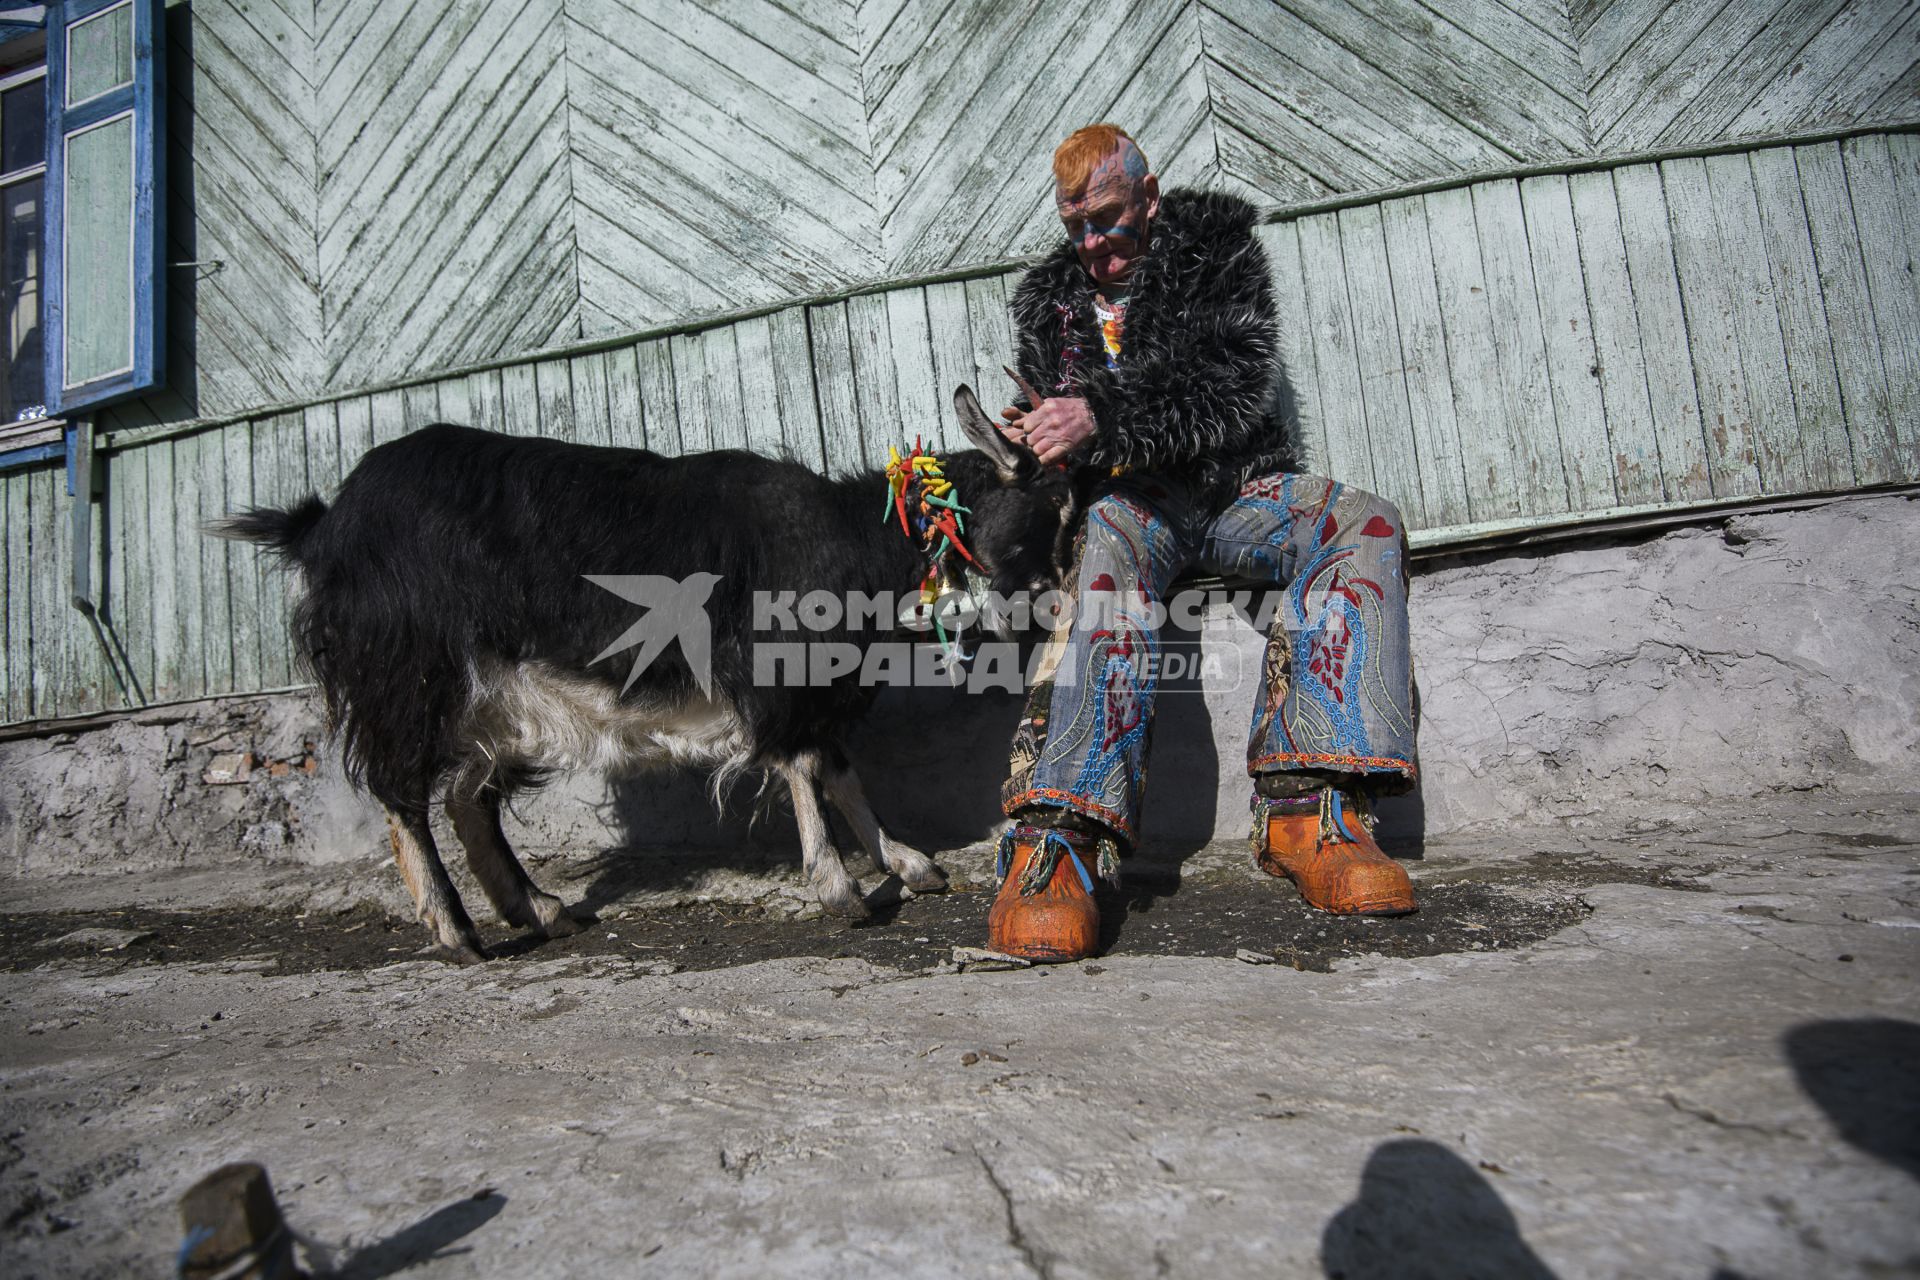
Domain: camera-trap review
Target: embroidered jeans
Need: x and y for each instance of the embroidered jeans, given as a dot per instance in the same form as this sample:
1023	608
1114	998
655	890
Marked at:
1336	689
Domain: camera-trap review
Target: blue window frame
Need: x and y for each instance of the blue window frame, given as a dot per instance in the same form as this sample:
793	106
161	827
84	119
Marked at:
105	169
82	102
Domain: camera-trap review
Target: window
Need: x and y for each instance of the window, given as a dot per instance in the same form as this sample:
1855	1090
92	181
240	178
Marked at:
81	169
23	168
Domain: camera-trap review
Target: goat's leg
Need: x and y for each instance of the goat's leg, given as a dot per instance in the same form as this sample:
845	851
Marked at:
520	902
435	901
838	892
913	867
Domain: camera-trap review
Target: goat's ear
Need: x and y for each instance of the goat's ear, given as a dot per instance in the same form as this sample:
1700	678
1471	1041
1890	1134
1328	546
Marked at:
986	437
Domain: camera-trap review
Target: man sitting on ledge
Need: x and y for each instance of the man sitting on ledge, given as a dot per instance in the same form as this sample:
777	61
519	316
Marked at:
1151	333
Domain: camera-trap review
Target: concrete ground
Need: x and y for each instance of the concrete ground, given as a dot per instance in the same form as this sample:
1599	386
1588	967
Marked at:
1701	1058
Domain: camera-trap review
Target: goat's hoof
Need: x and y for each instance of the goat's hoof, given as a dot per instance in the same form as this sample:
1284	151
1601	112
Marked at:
465	954
562	925
931	880
848	906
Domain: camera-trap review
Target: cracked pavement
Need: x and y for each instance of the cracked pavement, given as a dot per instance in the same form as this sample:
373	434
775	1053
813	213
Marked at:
1710	1072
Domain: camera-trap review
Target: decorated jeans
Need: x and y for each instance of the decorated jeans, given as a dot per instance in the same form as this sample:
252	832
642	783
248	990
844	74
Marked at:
1336	690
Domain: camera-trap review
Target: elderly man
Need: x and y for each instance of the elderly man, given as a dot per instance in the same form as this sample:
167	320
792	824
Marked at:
1151	336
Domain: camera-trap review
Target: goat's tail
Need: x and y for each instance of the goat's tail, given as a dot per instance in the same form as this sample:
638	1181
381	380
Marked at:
279	530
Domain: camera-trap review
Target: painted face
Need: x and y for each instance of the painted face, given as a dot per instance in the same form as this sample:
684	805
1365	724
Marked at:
1108	221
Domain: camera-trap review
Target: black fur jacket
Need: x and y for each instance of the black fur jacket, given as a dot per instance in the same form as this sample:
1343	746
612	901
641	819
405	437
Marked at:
1199	361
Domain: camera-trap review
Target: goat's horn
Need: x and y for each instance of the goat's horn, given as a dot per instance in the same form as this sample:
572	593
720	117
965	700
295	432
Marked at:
1026	388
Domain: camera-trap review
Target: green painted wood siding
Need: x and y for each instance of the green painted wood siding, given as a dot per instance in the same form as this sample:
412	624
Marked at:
388	193
1671	332
1514	350
394	186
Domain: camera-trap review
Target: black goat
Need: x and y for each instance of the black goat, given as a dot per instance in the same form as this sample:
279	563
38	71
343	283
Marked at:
448	614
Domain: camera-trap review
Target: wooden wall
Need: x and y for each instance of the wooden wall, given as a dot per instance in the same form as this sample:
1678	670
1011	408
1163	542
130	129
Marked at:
1673	332
396	186
831	384
397	191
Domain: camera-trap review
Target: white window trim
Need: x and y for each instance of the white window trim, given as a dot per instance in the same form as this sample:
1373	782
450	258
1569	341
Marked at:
35	72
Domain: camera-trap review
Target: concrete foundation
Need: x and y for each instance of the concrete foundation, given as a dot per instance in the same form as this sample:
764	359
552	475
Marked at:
1622	681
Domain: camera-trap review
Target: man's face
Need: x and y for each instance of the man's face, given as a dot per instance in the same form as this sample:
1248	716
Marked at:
1107	222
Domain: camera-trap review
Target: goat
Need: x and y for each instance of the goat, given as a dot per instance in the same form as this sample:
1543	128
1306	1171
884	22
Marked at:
449	612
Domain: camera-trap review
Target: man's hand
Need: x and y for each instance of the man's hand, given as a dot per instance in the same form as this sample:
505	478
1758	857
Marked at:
1060	425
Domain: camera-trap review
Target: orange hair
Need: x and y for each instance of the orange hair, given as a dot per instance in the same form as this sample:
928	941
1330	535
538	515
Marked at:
1075	159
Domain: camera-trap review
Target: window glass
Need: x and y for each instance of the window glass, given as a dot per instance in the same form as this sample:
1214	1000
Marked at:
21	51
23	392
100	54
23	126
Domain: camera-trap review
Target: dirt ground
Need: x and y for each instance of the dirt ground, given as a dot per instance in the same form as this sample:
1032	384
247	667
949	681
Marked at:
1687	1052
1513	906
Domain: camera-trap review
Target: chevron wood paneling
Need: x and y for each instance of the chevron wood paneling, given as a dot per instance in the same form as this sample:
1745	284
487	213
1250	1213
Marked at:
446	211
371	188
720	156
1313	97
390	186
967	100
242	195
1666	74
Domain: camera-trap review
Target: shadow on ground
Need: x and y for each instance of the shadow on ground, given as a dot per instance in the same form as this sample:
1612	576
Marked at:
1865	1074
430	1238
1424	1212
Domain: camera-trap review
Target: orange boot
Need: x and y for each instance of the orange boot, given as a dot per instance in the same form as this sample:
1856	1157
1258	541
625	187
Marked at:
1045	911
1327	850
